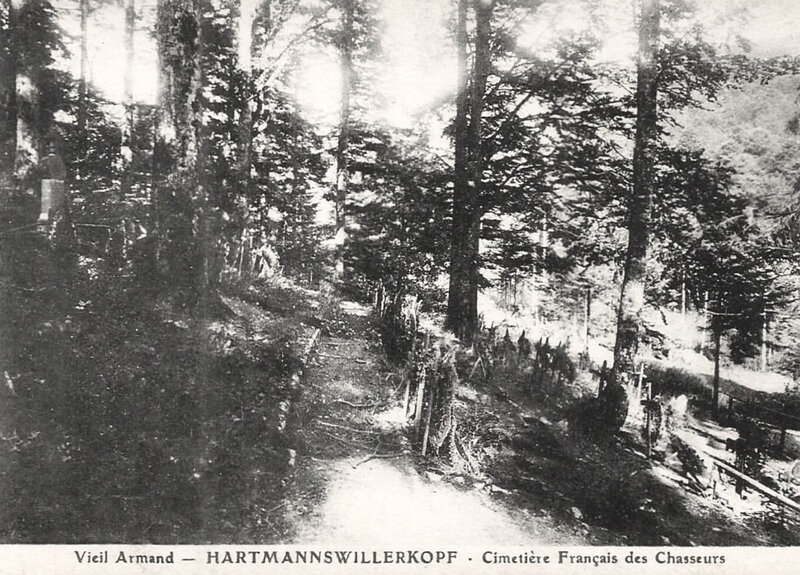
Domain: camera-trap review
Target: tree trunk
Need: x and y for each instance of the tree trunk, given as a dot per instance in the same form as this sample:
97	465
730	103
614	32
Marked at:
84	16
252	18
704	328
126	147
458	297
8	83
483	62
28	137
633	283
82	147
764	331
683	294
587	318
717	345
631	302
180	78
342	164
183	224
462	317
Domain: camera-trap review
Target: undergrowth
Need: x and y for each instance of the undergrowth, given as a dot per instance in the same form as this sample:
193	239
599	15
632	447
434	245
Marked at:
125	418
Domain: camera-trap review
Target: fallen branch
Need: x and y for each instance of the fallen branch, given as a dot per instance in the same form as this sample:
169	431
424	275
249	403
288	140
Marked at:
478	362
278	506
347	442
754	484
354	430
355	405
397	388
378	456
12	230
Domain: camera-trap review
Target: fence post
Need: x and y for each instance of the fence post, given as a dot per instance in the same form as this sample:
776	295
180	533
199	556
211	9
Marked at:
782	444
647	413
730	410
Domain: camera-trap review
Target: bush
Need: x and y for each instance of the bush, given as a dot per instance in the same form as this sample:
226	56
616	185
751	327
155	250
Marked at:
599	416
751	447
675	381
693	465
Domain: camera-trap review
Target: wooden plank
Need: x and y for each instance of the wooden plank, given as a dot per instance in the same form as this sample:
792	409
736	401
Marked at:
428	418
310	344
419	403
758	486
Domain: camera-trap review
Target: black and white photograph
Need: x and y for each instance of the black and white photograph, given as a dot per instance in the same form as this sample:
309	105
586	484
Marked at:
441	286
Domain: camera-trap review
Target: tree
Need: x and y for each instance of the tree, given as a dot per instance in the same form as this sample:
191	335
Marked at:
345	47
462	306
350	27
635	271
29	136
8	83
398	207
257	28
745	275
458	301
39	89
83	6
184	250
128	123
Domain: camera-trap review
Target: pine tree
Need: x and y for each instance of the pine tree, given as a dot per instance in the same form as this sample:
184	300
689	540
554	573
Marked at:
462	312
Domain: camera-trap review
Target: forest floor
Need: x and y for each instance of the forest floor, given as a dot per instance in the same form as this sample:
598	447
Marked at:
125	420
358	480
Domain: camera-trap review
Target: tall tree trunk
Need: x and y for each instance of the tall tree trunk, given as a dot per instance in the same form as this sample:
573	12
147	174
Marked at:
254	24
181	195
342	162
631	302
704	328
180	78
126	147
717	346
683	293
255	20
8	89
632	294
467	197
84	17
28	121
587	318
483	62
82	148
764	332
458	295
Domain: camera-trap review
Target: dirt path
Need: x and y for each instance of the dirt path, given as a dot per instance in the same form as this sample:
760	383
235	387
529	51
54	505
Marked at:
358	482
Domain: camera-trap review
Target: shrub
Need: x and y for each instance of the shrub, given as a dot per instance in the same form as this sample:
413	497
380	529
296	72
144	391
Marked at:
693	465
675	381
751	447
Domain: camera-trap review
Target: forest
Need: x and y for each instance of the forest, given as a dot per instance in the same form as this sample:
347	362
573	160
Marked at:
529	267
